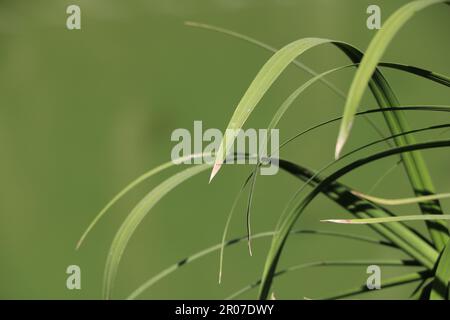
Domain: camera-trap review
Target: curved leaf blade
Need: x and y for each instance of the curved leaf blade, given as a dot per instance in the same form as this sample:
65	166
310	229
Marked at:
271	70
280	238
414	164
421	217
373	55
131	186
265	46
398	202
133	220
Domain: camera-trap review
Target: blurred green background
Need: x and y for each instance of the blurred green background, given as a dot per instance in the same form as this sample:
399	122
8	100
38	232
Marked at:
82	113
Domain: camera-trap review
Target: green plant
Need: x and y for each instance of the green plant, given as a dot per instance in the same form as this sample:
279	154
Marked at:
433	256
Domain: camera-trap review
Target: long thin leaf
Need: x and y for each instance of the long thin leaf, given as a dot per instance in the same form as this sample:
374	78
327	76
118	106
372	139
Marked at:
427	74
410	69
133	220
183	262
354	151
265	78
328	165
273	123
411	238
421	217
398	202
265	46
400	234
280	238
304	67
129	187
384	175
430	108
414	163
262	82
384	110
373	55
138	213
227	225
396	233
288	102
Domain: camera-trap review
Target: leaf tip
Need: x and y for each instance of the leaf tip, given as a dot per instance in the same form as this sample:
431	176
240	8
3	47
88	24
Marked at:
80	242
339	145
250	251
214	171
342	221
344	132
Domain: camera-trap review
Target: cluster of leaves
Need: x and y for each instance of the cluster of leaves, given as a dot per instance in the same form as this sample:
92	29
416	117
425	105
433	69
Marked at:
433	256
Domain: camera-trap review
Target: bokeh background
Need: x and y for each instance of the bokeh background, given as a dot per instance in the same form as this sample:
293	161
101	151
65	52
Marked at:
82	113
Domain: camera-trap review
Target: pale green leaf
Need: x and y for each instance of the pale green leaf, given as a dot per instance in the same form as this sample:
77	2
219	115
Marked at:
403	201
422	217
132	185
133	220
371	58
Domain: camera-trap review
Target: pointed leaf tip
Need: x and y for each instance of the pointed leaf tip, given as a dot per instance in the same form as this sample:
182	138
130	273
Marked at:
343	221
342	138
214	171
